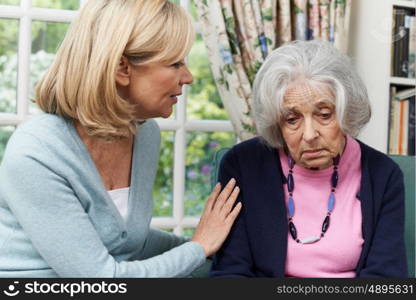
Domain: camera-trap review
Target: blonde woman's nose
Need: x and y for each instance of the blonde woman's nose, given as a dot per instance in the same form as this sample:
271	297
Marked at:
187	77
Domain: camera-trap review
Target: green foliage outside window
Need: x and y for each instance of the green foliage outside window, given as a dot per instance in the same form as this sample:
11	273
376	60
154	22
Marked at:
201	147
9	2
8	64
163	188
188	232
57	4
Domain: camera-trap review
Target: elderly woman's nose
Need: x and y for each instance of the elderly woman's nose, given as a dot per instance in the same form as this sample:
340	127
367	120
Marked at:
309	131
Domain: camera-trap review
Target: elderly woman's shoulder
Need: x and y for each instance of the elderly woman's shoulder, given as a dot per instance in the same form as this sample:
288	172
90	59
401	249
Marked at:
253	147
376	159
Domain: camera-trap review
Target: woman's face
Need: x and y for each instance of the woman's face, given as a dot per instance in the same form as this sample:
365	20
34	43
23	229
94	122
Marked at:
310	127
154	87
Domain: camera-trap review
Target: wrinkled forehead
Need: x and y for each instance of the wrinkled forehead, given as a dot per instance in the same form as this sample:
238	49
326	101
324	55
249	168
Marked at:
299	94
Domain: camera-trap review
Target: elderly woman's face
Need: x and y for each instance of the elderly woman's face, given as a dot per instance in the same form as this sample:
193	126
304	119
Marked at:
310	127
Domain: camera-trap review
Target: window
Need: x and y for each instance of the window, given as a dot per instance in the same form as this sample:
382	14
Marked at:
197	128
30	32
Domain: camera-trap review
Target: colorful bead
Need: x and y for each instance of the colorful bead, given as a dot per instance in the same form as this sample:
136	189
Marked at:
291	162
310	240
291	207
293	231
334	179
291	203
325	224
331	202
290	183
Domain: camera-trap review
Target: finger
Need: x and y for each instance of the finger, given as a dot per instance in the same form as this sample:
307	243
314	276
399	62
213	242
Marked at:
234	213
211	199
224	194
228	206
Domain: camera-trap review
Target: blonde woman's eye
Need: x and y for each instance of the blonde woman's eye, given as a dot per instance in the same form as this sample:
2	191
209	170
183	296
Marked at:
178	64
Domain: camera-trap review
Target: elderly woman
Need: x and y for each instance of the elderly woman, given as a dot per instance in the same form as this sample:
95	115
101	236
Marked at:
316	201
76	182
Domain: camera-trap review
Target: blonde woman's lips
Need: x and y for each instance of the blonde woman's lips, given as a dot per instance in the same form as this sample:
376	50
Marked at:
175	98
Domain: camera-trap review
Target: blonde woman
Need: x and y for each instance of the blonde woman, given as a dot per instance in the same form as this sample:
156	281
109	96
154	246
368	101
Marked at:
76	182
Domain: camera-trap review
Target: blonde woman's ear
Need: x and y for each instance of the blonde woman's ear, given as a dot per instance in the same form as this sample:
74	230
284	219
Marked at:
123	72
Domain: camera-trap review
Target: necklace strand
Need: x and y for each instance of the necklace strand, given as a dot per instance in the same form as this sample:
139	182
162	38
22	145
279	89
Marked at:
291	203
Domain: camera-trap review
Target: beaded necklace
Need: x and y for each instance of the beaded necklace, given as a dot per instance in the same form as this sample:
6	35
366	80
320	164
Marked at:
291	203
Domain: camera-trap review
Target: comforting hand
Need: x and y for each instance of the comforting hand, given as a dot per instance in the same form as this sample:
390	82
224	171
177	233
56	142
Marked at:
217	218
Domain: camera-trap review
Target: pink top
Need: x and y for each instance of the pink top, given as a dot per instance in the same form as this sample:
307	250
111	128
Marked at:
337	253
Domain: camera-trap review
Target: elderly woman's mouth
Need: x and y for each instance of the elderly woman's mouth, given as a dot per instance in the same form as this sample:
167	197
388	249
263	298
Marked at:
312	153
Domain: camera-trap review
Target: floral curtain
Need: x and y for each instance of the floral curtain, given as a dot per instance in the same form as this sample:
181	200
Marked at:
240	33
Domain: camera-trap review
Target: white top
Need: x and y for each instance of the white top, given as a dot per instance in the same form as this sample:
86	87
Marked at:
120	198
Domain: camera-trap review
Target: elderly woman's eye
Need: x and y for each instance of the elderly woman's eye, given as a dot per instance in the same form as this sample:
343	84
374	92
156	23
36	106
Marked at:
291	120
325	115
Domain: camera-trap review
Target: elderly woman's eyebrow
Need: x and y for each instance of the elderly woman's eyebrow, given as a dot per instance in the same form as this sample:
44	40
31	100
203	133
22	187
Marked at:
294	108
325	102
287	110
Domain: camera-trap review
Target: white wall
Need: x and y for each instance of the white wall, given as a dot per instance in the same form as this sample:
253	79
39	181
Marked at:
369	47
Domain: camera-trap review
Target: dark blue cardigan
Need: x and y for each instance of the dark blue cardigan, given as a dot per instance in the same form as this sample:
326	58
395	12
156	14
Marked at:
257	244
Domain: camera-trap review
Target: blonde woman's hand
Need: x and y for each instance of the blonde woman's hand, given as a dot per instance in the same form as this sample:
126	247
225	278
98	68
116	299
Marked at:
218	217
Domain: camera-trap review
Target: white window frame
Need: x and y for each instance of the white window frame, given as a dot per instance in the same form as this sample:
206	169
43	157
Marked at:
25	14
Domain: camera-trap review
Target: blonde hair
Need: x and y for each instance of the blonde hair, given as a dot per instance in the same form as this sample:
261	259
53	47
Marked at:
81	82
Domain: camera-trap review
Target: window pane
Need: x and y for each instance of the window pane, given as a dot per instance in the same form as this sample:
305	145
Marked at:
5	133
57	4
9	2
204	101
201	147
8	64
46	38
163	188
188	232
